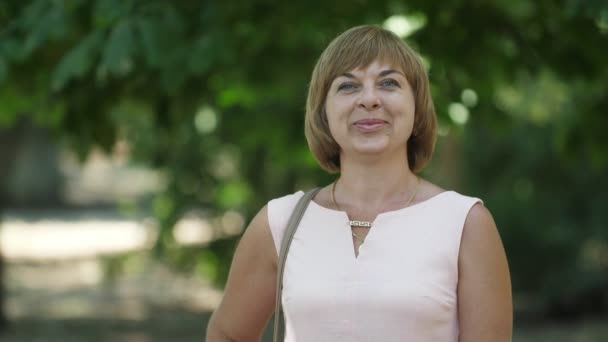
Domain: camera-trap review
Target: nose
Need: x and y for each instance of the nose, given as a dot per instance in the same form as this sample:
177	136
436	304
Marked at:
369	99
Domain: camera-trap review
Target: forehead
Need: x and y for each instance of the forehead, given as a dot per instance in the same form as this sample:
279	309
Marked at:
376	66
370	61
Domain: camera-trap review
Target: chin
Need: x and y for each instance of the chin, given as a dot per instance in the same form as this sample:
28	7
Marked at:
378	146
371	148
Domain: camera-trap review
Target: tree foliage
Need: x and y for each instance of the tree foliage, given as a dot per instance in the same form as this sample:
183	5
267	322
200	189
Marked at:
212	92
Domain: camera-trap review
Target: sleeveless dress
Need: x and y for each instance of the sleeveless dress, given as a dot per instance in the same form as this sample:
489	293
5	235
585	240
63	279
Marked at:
401	286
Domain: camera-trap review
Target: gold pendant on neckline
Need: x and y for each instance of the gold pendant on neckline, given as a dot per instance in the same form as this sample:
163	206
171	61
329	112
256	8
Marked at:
366	224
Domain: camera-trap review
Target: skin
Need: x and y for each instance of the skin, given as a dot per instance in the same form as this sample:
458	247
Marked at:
375	178
248	298
379	91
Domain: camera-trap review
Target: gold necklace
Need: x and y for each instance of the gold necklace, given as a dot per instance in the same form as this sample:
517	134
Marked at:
367	224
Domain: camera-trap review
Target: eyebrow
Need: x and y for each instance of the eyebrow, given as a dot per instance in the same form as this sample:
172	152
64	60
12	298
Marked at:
390	71
381	74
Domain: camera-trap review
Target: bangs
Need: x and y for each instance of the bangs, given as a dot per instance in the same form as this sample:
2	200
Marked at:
360	49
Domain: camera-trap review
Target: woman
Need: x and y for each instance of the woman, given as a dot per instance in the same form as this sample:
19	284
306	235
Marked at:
380	254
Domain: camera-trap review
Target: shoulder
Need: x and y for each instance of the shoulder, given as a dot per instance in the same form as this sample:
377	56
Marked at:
479	217
285	202
279	209
277	213
264	228
428	190
480	236
256	242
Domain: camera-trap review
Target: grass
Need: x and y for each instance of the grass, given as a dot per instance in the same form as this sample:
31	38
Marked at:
175	324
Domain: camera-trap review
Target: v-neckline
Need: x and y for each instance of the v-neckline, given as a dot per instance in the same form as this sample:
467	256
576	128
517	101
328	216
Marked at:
356	254
385	213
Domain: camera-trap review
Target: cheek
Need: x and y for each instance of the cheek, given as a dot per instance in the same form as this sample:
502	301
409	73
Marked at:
336	111
335	121
407	108
333	106
334	124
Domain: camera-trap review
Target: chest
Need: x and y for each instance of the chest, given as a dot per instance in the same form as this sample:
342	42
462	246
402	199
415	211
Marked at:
400	261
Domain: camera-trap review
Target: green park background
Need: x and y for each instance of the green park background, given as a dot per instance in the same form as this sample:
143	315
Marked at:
209	95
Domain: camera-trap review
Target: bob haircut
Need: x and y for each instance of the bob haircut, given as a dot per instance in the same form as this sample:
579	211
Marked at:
356	48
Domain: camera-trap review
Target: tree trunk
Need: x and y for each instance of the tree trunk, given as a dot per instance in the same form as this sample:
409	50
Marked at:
3	318
25	149
9	142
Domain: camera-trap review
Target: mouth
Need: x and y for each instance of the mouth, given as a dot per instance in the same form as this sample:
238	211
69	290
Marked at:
369	125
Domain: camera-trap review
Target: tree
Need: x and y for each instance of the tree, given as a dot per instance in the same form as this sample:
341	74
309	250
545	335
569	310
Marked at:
212	93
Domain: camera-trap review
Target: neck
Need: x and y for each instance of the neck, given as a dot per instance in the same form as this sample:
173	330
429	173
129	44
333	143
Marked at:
374	184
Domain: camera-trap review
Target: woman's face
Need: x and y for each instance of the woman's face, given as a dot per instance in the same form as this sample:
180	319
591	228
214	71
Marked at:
371	110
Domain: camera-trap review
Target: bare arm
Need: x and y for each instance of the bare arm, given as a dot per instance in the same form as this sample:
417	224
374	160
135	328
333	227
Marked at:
249	295
485	309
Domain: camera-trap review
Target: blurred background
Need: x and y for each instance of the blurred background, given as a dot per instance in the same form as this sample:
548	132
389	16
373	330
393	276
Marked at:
138	138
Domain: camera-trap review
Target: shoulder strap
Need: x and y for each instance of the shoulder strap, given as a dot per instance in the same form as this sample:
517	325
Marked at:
290	230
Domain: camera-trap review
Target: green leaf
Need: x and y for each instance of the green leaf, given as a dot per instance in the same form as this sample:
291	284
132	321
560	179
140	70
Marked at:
107	12
233	194
78	61
11	49
43	21
13	103
152	49
32	14
202	56
164	206
117	56
50	116
3	70
160	29
208	265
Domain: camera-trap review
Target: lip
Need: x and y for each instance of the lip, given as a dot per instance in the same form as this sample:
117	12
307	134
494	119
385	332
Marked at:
369	122
369	125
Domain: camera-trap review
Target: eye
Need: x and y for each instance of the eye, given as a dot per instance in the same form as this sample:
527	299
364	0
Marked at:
346	86
389	82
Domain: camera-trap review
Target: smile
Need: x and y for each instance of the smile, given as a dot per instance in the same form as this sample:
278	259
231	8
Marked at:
369	125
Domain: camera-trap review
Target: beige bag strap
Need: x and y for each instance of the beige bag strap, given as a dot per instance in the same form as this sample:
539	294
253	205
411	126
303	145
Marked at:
290	230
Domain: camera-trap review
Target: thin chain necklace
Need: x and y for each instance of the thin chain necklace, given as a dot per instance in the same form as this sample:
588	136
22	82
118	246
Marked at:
367	224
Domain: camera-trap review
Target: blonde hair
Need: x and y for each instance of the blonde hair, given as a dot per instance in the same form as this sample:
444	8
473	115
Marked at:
359	47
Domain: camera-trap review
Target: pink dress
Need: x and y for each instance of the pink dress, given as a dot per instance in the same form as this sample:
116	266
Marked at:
401	286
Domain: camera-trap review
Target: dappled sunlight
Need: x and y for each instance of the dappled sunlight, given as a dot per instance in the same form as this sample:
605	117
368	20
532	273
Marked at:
55	240
57	265
191	230
195	230
56	276
105	177
77	290
403	26
205	120
458	113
